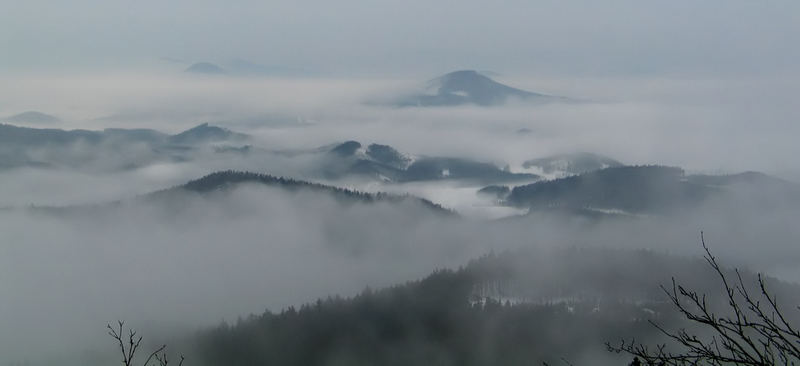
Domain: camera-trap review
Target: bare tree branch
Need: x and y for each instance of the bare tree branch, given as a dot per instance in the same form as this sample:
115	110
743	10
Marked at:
128	347
752	334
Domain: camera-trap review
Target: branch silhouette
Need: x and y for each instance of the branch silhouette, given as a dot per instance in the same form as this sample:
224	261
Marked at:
754	332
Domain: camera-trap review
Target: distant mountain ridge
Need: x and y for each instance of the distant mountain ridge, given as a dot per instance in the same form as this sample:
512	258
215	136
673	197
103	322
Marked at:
205	68
470	87
648	189
204	133
36	136
561	165
33	117
514	308
40	147
224	180
385	163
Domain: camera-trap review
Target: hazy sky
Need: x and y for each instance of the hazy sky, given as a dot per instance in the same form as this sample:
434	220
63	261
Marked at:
708	85
357	37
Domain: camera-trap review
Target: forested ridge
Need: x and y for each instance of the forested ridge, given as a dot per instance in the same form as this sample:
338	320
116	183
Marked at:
485	313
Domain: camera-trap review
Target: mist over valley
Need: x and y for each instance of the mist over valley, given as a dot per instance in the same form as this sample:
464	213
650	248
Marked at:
365	184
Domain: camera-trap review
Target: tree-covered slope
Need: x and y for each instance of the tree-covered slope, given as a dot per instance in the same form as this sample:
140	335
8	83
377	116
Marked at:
226	180
649	189
515	308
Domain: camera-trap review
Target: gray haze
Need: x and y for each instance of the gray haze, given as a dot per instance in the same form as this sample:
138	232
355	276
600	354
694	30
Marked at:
263	250
714	125
619	37
707	86
223	256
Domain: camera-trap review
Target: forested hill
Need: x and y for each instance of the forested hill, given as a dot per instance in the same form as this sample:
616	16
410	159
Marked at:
649	189
515	308
225	180
176	198
633	189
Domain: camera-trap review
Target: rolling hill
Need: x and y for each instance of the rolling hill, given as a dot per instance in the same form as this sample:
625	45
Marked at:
514	308
470	87
649	189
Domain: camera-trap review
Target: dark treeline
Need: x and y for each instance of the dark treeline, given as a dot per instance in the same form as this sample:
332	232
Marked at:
631	188
497	310
482	314
425	323
646	189
223	180
111	148
27	136
384	162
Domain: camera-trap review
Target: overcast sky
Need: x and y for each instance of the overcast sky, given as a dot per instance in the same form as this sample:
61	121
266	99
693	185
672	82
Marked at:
708	85
414	37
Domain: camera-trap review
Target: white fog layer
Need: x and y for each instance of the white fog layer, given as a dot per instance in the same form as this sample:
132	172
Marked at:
214	173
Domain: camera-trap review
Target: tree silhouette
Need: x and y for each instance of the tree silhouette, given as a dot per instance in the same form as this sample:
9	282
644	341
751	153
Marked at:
130	344
754	331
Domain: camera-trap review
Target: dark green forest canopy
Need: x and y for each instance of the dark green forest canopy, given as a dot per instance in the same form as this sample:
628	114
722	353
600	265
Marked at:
224	180
500	309
646	189
175	198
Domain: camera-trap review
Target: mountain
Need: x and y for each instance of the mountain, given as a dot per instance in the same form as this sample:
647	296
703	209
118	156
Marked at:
433	168
115	148
632	189
386	163
22	136
386	154
498	193
226	180
219	184
205	68
470	87
26	136
650	189
346	149
740	178
523	307
125	135
562	165
205	133
32	117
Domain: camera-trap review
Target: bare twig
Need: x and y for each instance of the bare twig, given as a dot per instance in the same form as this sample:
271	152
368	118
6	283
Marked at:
753	334
128	347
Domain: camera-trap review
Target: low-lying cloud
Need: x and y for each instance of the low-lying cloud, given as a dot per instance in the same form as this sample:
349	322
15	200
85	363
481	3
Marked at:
233	253
228	256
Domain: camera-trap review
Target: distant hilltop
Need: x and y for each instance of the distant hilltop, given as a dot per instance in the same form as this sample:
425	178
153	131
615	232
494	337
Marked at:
470	87
205	68
241	67
33	117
